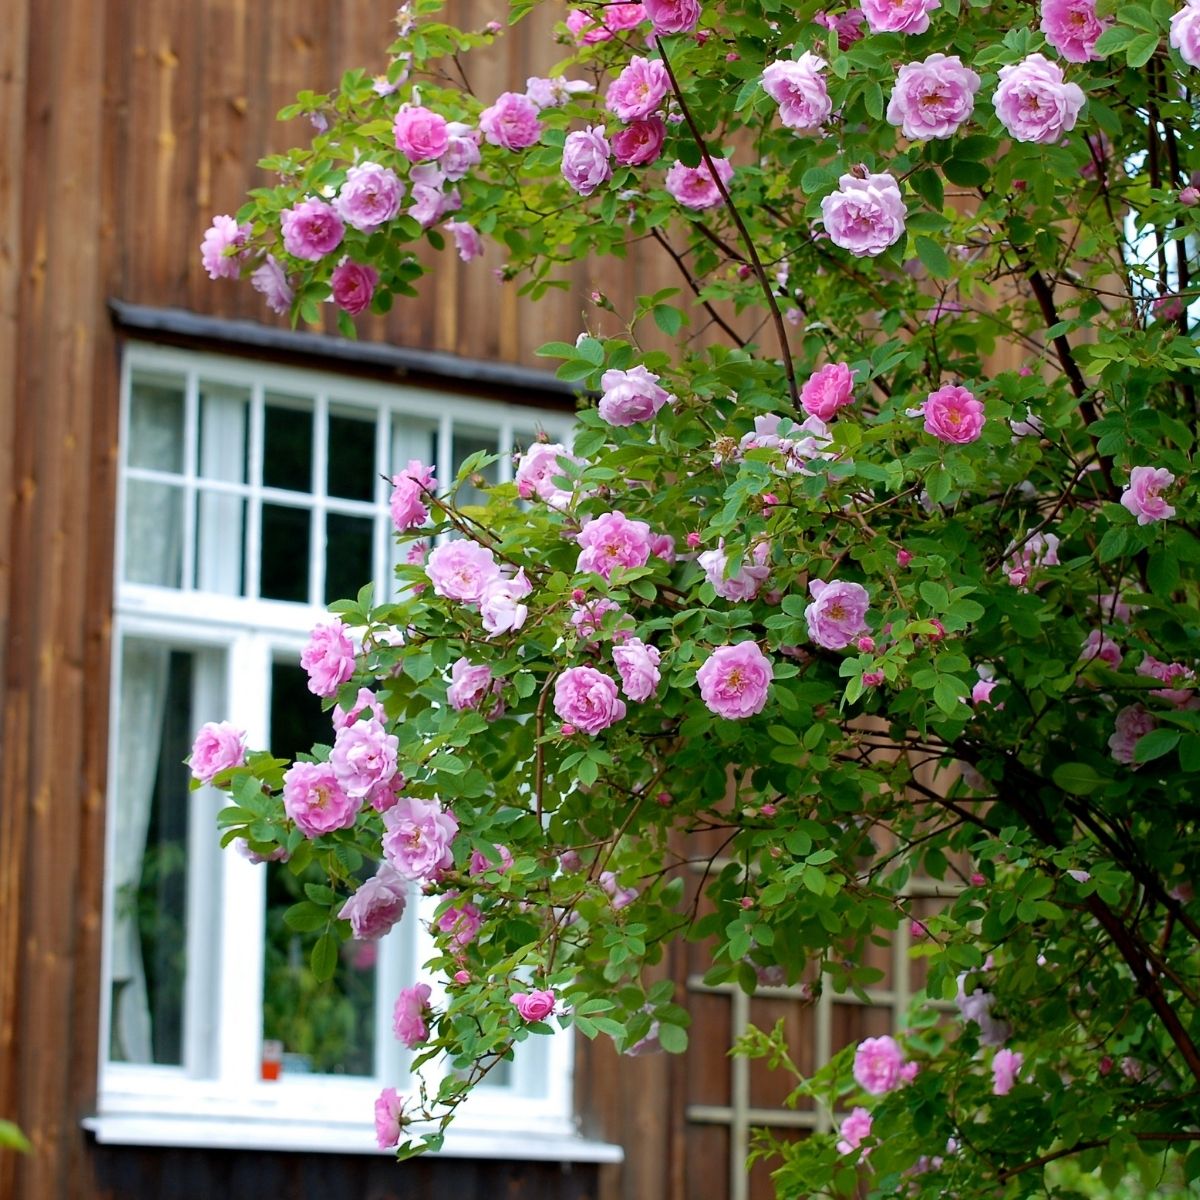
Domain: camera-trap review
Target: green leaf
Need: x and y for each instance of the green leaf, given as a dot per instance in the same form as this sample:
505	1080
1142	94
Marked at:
668	318
933	257
306	916
1076	778
11	1138
672	1038
1155	744
1113	40
965	173
1141	49
324	957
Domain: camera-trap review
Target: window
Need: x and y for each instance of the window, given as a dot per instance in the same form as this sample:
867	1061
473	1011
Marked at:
250	496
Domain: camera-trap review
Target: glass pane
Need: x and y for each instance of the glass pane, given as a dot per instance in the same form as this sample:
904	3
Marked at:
466	442
224	419
156	407
413	438
153	533
288	443
325	1028
286	537
348	554
220	543
351	472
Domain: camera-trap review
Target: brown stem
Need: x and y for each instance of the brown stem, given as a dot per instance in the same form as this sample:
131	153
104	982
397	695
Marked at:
1008	1172
677	258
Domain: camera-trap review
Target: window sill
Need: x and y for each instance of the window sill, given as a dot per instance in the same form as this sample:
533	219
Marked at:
129	1129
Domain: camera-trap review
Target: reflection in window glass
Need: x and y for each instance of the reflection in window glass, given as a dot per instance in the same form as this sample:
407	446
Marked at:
153	533
466	442
349	544
286	533
351	468
287	443
156	406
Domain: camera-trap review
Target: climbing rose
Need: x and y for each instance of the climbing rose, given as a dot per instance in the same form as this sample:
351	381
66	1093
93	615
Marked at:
1034	103
223	235
471	684
622	17
389	1118
854	1128
638	90
1170	674
952	414
461	153
673	16
461	922
328	658
933	98
584	29
353	286
587	699
612	540
847	26
407	502
500	605
864	216
640	142
877	1065
1185	33
799	89
837	613
585	164
631	396
1100	646
364	758
1132	724
898	16
695	187
1006	1066
270	279
417	837
1072	28
315	801
535	1005
734	680
408	1016
419	133
511	122
377	904
538	468
747	580
218	747
461	569
830	388
370	197
310	229
553	93
480	864
1143	494
467	241
637	665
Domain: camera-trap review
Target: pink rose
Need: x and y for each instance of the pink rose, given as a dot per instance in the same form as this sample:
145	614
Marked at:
409	1013
353	286
553	93
461	569
622	17
673	16
472	685
389	1118
837	613
620	897
417	837
461	922
271	281
898	16
933	98
1034	103
328	658
430	199
480	864
696	187
1132	724
407	503
500	605
587	699
364	758
511	122
1185	33
376	905
847	26
536	1005
1099	645
1171	674
877	1065
799	89
420	134
639	89
588	619
223	236
467	241
854	1128
734	680
612	540
585	29
313	799
952	414
749	578
585	164
218	747
1006	1066
637	665
830	388
1143	494
370	197
864	216
538	468
311	229
640	142
662	545
631	396
461	153
365	701
1072	28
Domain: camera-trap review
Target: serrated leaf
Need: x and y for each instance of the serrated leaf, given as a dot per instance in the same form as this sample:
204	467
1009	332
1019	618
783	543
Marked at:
933	257
324	958
1139	52
1155	744
306	917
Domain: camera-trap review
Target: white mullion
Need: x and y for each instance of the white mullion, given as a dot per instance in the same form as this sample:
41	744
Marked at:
191	444
505	446
824	1048
254	469
380	558
739	1130
318	548
445	469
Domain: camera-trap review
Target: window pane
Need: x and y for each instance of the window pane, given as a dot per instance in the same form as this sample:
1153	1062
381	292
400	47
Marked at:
351	472
413	438
220	543
348	553
466	442
156	407
286	537
224	419
288	443
153	533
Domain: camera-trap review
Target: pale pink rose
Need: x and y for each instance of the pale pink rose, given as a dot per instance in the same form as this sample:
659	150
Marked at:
461	569
981	692
864	216
1113	608
430	200
364	758
827	390
353	286
461	153
511	122
854	1128
898	16
696	187
219	746
479	863
473	686
1185	33
370	197
877	1065
1033	101
749	578
638	90
1172	674
933	98
587	699
389	1118
1072	28
461	922
662	545
673	16
734	680
620	897
409	1013
500	605
311	229
640	142
313	799
1006	1067
407	502
535	1005
271	281
837	614
798	87
419	133
417	837
952	414
467	241
637	665
847	26
612	540
1143	494
631	396
221	238
278	854
588	619
585	29
977	1007
585	160
1100	646
619	18
328	658
1132	724
376	905
553	93
537	469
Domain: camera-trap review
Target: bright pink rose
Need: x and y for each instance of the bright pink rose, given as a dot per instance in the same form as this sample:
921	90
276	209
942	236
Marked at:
271	281
588	619
461	569
467	241
898	16
480	864
830	388
638	90
1072	28
417	837
365	701
612	540
313	799
662	545
407	503
952	414
328	658
847	26
631	396
364	758
799	89
585	160
537	469
933	98
376	905
370	197
749	578
622	17
353	286
1132	724
1033	101
1143	494
695	187
420	133
389	1118
218	747
311	229
877	1065
512	122
500	605
1006	1067
585	29
864	216
1171	674
223	236
461	153
461	922
837	613
1185	33
854	1128
587	699
734	680
637	665
408	1016
640	142
473	686
673	16
536	1005
1100	646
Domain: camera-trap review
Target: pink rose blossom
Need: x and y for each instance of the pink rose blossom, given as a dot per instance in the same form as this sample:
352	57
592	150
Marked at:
662	545
953	415
696	187
389	1118
638	90
222	236
461	153
588	619
1100	646
408	1016
313	799
1171	674
612	540
430	199
837	613
749	578
847	26
873	678
933	98
1006	1067
311	229
640	142
473	686
673	16
585	29
467	241
364	758
587	699
620	18
1132	724
353	286
535	1005
370	197
1143	494
631	396
585	160
271	281
637	665
981	692
407	503
219	746
376	905
864	216
734	680
328	658
799	89
877	1065
898	16
537	469
1072	28
1185	33
480	864
419	133
461	569
461	922
553	93
417	837
620	897
854	1128
500	605
830	388
511	122
1033	101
